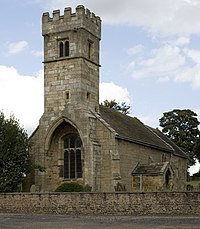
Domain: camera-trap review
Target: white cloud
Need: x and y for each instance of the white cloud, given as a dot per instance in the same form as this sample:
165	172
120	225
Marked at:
193	54
163	62
182	41
195	168
17	47
179	17
169	63
150	120
22	96
111	91
135	50
191	75
37	53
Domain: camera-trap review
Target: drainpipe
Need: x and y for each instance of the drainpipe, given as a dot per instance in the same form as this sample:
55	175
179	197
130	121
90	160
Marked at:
140	182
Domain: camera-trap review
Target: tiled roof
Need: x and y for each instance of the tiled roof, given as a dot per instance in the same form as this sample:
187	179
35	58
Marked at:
177	150
151	169
131	129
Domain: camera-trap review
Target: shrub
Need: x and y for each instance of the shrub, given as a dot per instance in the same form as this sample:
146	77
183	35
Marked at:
69	187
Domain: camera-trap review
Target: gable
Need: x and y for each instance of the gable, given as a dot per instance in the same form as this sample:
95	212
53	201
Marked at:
151	169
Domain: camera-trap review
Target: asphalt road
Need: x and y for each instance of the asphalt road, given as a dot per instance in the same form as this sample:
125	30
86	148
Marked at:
23	221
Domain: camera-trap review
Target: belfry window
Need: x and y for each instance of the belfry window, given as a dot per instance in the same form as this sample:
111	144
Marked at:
66	48
63	48
90	49
72	157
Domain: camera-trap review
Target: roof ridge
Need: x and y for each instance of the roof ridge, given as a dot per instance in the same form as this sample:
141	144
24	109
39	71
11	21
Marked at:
150	128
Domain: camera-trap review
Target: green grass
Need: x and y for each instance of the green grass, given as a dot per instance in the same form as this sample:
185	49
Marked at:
194	183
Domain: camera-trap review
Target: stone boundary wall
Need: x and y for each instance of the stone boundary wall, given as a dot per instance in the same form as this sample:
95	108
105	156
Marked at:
155	203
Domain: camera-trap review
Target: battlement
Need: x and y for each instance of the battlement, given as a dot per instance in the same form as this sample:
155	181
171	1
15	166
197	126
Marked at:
82	18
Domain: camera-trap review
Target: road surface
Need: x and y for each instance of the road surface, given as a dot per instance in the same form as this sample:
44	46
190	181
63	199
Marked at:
27	221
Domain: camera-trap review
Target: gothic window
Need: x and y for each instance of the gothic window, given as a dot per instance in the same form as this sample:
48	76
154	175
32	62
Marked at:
66	48
90	49
63	48
72	157
167	178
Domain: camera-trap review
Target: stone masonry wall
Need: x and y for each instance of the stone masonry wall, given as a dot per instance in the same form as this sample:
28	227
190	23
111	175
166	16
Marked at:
131	154
155	203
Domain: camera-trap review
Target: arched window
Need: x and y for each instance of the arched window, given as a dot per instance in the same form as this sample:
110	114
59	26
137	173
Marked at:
89	49
61	49
72	157
66	48
167	178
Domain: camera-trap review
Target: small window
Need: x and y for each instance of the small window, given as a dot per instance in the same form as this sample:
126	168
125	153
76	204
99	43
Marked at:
67	95
167	178
61	49
66	48
88	95
89	50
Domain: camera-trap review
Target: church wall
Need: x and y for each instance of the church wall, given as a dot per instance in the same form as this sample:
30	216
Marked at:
179	166
37	153
48	152
149	183
108	145
131	154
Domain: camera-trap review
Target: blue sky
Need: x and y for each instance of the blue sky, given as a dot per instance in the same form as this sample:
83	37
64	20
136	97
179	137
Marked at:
150	55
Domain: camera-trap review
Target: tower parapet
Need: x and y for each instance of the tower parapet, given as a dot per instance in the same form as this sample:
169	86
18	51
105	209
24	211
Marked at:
82	18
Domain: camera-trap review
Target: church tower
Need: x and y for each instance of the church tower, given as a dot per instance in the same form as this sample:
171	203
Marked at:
64	145
71	60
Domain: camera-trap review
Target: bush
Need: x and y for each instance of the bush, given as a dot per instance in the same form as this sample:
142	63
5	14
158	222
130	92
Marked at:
69	187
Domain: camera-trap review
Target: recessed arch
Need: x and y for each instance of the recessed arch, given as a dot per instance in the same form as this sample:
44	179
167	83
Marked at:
54	126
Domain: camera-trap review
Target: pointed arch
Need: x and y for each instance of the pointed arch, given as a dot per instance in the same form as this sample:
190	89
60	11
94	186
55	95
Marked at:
66	48
54	126
61	49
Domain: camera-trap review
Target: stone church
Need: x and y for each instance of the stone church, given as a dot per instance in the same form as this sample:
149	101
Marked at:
77	139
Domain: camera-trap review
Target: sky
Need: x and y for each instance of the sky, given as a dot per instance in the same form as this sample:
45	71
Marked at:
150	56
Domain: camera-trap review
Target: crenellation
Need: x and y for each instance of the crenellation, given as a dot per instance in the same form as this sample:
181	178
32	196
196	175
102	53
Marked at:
80	10
67	12
82	18
88	13
45	17
56	15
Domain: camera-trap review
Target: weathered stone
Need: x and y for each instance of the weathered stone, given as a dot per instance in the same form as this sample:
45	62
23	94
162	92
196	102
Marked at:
158	203
71	108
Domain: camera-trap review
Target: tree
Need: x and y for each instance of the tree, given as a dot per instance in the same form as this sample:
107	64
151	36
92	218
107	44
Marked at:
14	154
181	126
196	149
123	108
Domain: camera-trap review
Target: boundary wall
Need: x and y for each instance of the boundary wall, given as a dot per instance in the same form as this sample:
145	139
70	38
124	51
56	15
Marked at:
155	203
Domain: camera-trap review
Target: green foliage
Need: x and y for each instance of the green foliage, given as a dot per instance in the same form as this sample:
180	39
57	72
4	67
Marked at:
181	126
194	183
123	108
14	154
87	188
196	149
69	187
